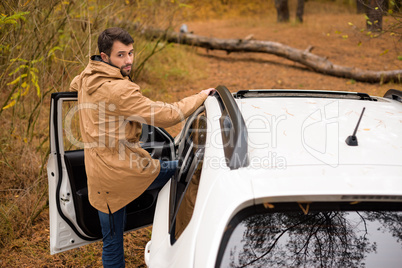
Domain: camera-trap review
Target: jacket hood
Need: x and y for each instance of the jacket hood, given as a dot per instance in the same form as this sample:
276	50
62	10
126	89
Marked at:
96	74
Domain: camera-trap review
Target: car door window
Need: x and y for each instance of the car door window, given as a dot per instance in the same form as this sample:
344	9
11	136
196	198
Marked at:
184	186
72	139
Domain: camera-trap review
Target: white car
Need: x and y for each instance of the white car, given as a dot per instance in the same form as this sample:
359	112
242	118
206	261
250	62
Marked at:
266	178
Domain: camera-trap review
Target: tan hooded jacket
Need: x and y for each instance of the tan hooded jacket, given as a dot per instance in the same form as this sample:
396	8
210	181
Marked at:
111	110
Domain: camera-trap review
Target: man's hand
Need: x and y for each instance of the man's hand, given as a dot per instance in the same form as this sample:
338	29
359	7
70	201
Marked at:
209	91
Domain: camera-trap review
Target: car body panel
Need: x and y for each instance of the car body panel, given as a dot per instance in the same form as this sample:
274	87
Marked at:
295	151
218	211
73	221
304	175
62	235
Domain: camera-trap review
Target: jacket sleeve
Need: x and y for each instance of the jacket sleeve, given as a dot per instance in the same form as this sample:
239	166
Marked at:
74	84
137	107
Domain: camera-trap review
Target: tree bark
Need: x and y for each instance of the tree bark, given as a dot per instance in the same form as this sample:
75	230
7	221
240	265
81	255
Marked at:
305	57
282	9
300	10
360	6
397	6
374	14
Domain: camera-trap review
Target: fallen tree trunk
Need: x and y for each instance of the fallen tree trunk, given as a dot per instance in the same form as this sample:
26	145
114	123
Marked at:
305	57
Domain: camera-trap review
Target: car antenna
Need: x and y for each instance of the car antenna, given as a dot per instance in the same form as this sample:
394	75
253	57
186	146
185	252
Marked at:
352	139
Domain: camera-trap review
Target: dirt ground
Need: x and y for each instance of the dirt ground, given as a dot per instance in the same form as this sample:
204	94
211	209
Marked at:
335	35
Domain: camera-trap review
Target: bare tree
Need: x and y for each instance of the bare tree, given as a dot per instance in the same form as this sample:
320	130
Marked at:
282	8
375	11
300	10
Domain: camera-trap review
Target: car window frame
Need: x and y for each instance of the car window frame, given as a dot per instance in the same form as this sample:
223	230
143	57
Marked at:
59	175
193	157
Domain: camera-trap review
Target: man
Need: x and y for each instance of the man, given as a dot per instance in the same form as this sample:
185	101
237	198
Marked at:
112	109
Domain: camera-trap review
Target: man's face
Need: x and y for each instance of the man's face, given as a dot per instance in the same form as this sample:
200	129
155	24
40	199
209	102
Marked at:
121	56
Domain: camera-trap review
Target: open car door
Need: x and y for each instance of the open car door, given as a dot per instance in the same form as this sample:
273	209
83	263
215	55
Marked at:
73	221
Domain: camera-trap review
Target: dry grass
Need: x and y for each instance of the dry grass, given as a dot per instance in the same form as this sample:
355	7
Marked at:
44	44
56	39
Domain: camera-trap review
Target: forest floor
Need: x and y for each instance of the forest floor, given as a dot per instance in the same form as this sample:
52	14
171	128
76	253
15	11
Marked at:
336	35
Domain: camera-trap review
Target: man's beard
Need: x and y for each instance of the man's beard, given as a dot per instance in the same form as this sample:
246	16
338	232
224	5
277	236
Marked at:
122	71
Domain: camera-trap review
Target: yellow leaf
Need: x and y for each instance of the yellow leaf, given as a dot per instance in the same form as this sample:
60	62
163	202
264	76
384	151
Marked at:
11	104
25	140
17	79
37	89
351	24
25	91
18	68
384	52
38	60
268	205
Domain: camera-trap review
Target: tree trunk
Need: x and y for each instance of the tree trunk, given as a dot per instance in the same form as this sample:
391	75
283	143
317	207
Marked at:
282	9
300	10
304	57
385	6
360	6
374	14
397	6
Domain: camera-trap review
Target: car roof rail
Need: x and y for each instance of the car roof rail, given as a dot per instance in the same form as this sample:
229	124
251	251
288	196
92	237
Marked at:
394	94
234	131
295	93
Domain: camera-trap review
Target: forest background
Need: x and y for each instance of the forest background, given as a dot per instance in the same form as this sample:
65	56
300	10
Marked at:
44	44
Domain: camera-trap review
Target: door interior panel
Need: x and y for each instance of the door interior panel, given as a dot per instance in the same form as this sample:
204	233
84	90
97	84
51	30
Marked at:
140	212
87	216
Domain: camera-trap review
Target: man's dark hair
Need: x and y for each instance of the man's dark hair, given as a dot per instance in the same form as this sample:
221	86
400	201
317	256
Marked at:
108	36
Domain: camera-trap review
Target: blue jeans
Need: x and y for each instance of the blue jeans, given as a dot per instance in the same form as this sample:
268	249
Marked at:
113	224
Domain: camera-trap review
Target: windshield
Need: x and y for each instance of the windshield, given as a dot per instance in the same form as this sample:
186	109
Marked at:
314	235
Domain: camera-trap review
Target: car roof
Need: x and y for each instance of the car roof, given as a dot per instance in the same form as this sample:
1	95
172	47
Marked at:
312	131
301	141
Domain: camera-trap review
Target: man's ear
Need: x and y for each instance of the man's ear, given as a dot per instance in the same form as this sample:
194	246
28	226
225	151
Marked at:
104	57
